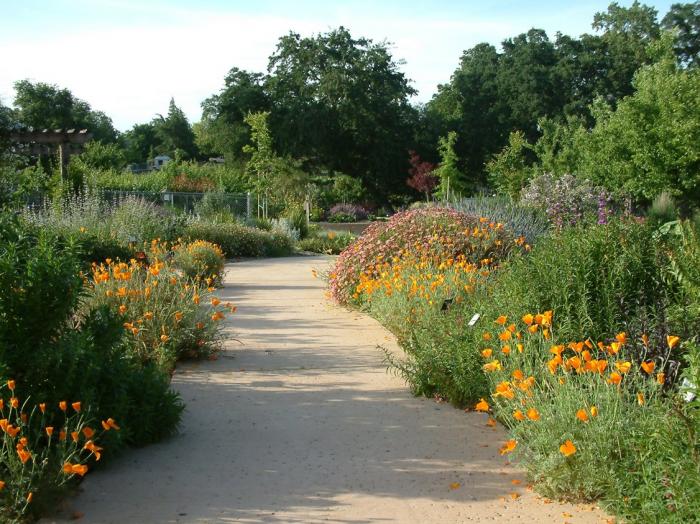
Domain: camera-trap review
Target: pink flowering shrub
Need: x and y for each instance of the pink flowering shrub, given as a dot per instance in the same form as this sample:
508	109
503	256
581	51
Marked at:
439	232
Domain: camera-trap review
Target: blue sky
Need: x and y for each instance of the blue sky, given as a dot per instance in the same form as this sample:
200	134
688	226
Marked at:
128	57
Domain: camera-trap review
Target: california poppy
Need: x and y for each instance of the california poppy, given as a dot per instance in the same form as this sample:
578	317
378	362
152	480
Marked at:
508	446
672	341
49	430
518	415
501	320
11	385
528	319
648	367
482	405
567	448
76	406
533	414
582	415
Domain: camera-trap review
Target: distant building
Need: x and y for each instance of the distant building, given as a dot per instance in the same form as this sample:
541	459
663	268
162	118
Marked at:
160	161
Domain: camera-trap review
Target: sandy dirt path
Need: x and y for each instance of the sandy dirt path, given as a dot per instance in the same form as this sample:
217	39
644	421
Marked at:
300	422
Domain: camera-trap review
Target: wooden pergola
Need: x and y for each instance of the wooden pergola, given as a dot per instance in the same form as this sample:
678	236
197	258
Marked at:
53	141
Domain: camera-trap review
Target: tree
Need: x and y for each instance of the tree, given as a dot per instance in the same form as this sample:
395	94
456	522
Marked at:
140	143
222	130
649	144
626	32
422	178
46	106
341	103
509	170
685	20
175	133
451	178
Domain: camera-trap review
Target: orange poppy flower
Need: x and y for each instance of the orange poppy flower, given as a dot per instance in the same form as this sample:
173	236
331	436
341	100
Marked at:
505	335
533	328
504	390
661	378
615	378
49	430
122	309
672	341
508	446
501	320
621	338
567	448
518	415
24	455
528	319
88	432
533	414
76	406
14	402
486	353
90	446
518	374
640	399
164	338
506	350
648	367
482	405
545	333
42	407
178	316
11	385
491	422
582	415
75	435
217	316
486	336
645	339
2	485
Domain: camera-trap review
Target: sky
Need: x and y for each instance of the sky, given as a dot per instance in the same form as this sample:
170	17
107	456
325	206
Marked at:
129	57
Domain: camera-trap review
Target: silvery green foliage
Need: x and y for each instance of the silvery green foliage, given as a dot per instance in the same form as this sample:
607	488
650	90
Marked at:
521	220
284	227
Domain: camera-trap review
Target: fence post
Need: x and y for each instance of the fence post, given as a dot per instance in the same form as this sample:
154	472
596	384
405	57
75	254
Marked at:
247	205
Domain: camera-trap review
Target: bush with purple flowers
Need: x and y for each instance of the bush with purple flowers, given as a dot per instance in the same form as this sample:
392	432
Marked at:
347	213
568	200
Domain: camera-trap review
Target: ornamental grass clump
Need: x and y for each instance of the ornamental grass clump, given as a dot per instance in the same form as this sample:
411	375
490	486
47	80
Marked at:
166	315
43	447
433	233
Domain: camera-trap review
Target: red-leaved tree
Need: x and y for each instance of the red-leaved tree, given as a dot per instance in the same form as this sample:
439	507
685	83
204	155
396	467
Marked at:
422	178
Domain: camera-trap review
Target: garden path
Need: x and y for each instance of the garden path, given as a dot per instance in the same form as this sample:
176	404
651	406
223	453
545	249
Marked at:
298	421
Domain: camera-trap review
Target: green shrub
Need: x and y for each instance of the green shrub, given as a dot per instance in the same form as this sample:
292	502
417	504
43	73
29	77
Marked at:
199	261
58	347
239	241
327	242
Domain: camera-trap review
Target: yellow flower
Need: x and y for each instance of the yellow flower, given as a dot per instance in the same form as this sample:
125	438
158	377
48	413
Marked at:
494	365
486	353
661	378
640	399
122	309
567	448
164	338
623	367
528	319
594	411
672	341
